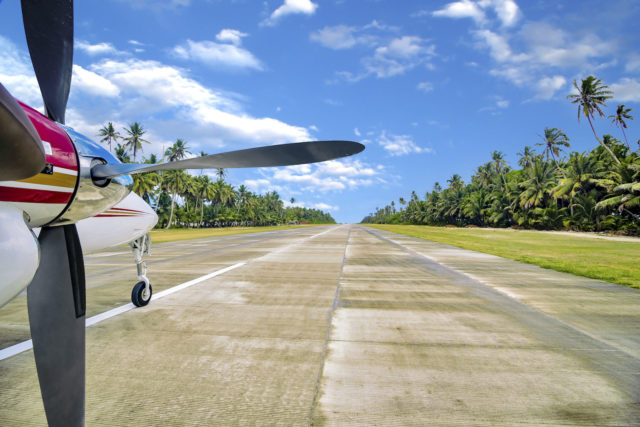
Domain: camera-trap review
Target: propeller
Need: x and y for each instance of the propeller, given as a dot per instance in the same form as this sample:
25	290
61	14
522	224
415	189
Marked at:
21	152
273	155
56	304
56	294
48	25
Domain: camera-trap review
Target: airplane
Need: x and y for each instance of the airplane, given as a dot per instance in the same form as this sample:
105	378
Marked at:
128	222
53	178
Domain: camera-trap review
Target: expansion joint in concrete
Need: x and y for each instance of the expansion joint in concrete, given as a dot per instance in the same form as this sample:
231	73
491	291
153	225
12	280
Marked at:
336	298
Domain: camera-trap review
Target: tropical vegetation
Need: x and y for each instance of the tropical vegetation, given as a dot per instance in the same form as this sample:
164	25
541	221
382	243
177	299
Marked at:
597	190
184	200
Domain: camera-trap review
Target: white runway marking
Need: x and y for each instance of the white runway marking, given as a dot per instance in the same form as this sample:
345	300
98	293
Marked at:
28	345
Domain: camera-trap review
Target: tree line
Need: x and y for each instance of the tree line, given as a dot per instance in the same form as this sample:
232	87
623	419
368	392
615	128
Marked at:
184	200
590	191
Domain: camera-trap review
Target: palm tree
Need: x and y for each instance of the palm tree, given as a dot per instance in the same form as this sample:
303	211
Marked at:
498	162
455	182
618	119
135	140
189	191
591	95
207	191
109	133
552	140
152	160
527	157
221	173
583	173
177	151
121	154
144	183
202	154
175	181
625	196
483	175
540	180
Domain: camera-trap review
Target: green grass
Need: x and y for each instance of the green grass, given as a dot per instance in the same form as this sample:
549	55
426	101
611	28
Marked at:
608	260
172	235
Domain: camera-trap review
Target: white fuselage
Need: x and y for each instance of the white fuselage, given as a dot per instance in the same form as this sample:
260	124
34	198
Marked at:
123	223
126	221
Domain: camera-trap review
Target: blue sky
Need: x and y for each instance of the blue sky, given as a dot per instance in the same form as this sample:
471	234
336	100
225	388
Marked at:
430	87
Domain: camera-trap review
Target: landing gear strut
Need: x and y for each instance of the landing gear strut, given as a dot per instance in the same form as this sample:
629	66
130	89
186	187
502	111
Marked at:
141	293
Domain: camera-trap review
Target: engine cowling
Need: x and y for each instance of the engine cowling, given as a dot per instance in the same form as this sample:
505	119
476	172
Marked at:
45	196
92	196
64	192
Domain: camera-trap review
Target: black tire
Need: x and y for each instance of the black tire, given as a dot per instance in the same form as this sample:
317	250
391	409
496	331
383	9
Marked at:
137	295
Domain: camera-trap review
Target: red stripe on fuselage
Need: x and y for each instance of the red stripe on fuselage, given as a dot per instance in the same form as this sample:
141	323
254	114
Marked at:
126	210
27	195
63	154
114	216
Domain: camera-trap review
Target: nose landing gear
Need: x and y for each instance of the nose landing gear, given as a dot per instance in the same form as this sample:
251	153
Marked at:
141	292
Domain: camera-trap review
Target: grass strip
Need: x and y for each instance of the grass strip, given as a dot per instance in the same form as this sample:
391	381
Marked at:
609	260
172	235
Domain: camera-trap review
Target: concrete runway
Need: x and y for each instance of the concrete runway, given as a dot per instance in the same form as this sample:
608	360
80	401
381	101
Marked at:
344	325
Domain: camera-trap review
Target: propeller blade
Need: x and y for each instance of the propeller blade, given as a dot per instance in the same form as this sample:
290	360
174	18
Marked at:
48	25
21	152
273	155
56	303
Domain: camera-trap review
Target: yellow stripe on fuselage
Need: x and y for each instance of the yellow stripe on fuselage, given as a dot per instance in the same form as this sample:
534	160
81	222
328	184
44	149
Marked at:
56	179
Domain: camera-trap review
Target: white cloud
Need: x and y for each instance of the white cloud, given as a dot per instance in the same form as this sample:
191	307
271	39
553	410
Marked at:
498	46
626	89
502	103
151	87
633	63
17	76
507	11
291	7
398	56
338	37
356	132
330	176
425	87
548	86
325	207
217	54
391	55
96	49
400	145
351	168
232	36
345	37
544	50
461	9
552	46
261	185
92	83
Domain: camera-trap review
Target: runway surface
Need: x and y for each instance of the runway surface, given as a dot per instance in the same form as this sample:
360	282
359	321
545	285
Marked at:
343	325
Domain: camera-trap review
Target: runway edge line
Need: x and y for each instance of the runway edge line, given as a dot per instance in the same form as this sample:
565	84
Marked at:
28	345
